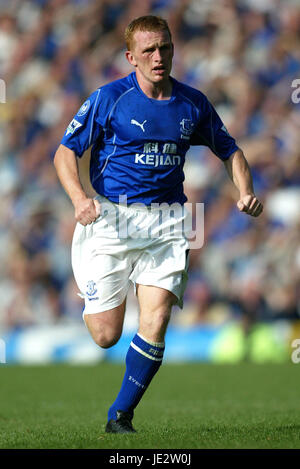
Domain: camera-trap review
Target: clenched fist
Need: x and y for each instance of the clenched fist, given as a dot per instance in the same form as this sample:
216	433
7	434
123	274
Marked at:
250	205
87	211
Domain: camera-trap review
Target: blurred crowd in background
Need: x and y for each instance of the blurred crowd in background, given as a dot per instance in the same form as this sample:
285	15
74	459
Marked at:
244	55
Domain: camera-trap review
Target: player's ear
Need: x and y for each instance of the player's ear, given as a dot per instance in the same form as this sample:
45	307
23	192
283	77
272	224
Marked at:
129	56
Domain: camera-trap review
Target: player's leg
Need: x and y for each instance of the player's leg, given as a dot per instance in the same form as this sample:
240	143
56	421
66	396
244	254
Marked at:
145	353
159	271
155	311
106	327
103	280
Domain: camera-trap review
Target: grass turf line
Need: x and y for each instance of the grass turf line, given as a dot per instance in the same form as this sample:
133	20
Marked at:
186	406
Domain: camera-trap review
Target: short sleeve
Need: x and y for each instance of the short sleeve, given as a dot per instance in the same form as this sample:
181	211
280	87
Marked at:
84	129
212	133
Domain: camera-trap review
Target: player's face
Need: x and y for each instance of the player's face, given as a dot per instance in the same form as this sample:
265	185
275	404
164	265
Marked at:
151	55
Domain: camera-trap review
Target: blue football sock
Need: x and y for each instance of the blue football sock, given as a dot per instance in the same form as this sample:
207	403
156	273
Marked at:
143	359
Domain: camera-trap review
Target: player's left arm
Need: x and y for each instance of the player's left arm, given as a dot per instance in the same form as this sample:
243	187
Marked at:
211	132
239	172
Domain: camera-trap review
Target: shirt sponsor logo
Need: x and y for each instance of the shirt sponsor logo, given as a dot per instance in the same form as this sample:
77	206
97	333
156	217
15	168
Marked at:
73	126
84	108
152	157
157	160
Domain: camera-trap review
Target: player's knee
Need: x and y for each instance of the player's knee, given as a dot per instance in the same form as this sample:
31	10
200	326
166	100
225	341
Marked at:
158	320
106	339
106	327
103	336
162	318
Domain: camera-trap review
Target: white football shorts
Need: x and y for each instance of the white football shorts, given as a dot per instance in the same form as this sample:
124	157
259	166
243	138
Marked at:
136	243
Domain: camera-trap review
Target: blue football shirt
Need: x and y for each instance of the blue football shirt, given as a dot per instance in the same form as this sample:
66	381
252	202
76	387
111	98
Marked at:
139	144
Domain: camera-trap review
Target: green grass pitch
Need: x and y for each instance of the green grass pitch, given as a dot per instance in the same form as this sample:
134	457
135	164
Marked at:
187	406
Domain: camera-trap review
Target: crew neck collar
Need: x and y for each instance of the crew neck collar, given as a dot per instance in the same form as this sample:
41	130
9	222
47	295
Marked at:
159	102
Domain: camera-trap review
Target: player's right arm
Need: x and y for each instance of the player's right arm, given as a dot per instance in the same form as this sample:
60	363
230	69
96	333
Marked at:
86	209
82	132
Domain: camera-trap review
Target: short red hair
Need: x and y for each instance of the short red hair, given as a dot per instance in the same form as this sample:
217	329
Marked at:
145	23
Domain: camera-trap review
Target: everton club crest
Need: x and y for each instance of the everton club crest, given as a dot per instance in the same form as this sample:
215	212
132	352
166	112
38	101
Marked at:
186	128
91	289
